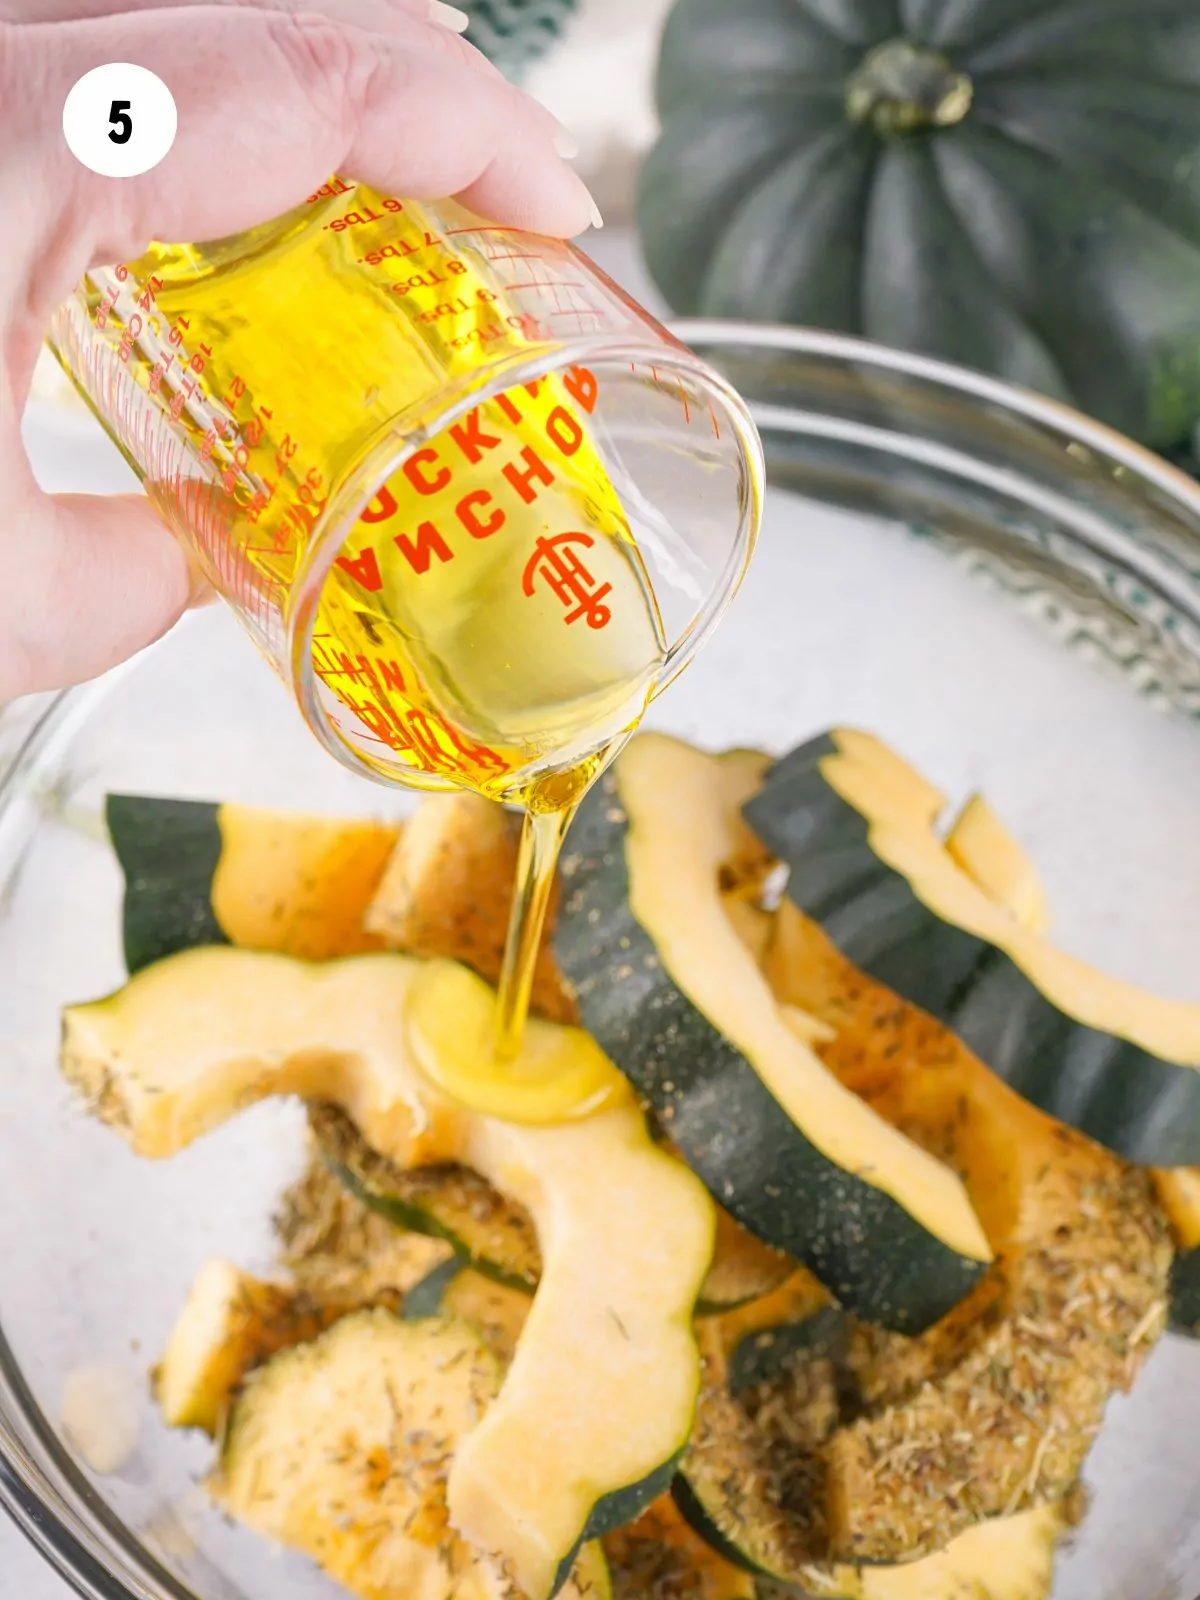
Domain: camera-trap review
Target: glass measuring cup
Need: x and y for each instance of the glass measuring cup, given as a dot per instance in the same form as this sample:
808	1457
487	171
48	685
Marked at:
473	504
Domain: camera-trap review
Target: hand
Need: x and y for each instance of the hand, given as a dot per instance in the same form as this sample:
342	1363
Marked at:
273	96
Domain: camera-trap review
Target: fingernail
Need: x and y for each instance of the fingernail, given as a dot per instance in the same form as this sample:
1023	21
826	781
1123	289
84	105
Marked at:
597	219
566	144
448	16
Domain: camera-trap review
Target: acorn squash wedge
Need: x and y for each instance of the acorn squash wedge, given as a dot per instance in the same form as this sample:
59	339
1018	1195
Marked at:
198	873
677	1001
569	1448
230	1324
448	889
753	1485
661	1557
988	853
455	1290
495	1235
343	1448
856	828
1082	1265
335	1247
1178	1194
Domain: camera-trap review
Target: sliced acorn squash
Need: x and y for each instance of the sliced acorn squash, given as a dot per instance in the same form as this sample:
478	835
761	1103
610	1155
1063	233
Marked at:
342	1448
495	1235
1082	1265
455	1290
677	1000
571	1447
754	1480
198	873
1178	1193
1006	1558
448	891
988	853
857	829
661	1557
335	1247
982	846
230	1324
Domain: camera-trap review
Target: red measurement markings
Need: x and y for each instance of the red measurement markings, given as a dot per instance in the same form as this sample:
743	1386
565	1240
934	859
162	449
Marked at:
542	283
149	289
399	250
334	186
568	577
431	277
435	742
362	215
110	298
383	674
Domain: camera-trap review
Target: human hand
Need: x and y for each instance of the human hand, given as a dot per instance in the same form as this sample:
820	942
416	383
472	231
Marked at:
273	96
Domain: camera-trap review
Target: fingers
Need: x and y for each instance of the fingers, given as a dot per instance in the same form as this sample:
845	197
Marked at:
269	105
375	15
89	580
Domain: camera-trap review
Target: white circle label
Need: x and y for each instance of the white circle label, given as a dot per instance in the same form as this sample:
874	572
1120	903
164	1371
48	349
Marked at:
119	120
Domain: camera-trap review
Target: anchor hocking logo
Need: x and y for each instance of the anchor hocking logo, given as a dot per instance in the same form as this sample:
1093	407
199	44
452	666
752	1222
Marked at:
568	577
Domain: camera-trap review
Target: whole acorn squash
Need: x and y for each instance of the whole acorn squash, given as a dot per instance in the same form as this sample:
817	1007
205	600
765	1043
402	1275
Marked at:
1013	185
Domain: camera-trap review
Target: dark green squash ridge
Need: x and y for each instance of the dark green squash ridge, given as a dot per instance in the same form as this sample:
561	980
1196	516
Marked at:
1185	1293
859	1241
168	851
425	1298
1142	1106
485	1230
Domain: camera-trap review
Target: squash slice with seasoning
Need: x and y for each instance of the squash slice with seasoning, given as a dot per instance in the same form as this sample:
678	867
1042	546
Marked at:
857	829
343	1448
896	1446
598	1401
198	873
677	1001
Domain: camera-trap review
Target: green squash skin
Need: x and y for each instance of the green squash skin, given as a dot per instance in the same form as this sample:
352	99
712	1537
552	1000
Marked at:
1142	1107
760	1355
610	1512
419	1219
424	1299
861	1243
437	1220
615	1510
694	1514
1041	232
168	851
1185	1293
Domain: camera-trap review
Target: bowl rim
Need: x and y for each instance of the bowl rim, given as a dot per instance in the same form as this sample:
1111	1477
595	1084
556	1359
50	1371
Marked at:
76	1557
717	333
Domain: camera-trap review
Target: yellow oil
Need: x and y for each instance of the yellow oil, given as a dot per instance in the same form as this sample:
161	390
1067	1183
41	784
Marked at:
488	622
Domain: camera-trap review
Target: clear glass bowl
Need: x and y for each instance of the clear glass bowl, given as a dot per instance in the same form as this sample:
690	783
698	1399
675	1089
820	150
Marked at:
1008	593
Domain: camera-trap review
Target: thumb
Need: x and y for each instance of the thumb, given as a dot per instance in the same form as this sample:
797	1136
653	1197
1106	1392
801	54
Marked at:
89	581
